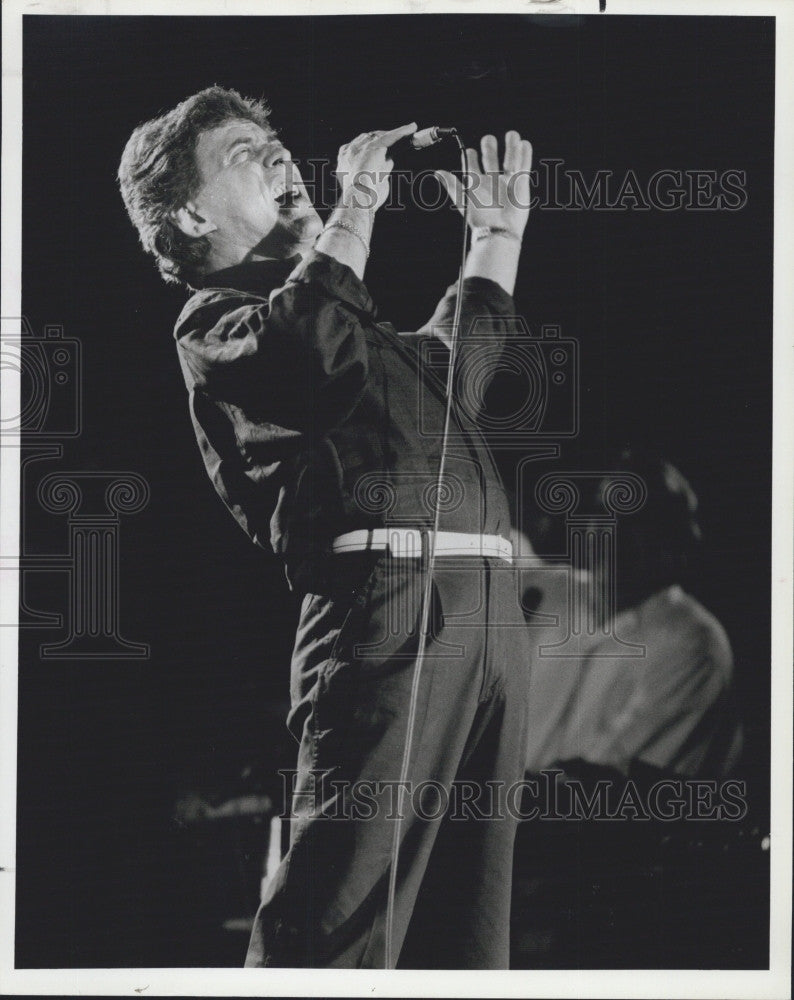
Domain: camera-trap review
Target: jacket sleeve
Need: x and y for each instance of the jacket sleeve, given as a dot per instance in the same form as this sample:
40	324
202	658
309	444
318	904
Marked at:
297	359
487	315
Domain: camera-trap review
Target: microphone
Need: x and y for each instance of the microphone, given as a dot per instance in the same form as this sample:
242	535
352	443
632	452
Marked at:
430	136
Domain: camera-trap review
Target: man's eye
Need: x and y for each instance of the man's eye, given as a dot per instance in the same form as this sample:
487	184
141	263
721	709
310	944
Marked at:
241	153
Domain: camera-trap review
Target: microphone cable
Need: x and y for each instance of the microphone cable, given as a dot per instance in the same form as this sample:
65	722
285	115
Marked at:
424	627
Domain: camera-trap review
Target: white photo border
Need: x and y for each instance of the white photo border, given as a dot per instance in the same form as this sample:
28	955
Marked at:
772	983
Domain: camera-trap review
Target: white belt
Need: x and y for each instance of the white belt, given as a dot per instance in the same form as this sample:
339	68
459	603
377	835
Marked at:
406	543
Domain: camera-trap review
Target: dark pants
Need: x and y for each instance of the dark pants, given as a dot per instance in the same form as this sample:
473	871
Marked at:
352	671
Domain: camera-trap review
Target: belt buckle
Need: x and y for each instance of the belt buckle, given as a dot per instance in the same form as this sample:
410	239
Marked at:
408	542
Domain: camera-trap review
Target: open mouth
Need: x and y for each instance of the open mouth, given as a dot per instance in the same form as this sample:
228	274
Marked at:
286	195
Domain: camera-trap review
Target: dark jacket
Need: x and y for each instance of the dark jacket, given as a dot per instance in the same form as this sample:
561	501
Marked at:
314	419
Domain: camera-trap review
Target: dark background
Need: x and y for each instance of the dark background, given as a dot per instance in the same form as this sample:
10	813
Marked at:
672	312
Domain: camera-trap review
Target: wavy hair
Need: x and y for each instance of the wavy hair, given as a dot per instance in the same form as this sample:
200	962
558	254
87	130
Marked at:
158	174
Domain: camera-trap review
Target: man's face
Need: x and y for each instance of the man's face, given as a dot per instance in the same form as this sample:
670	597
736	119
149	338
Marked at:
252	192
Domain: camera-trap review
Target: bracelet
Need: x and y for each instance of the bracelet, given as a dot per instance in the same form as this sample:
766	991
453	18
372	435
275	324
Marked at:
483	232
338	224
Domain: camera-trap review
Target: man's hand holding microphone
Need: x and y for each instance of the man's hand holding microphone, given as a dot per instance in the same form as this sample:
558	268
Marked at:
363	169
497	212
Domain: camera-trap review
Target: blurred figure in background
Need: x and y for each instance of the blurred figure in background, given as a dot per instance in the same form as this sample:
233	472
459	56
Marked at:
670	709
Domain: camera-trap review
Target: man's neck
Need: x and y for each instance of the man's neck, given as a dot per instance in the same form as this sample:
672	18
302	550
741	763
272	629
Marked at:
224	258
299	249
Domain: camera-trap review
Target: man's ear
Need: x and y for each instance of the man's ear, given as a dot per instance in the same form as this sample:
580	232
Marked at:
191	222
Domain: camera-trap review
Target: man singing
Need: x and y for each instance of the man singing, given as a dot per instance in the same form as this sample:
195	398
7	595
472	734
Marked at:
322	430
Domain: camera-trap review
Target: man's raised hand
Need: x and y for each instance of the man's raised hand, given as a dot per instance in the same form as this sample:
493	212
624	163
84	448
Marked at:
497	198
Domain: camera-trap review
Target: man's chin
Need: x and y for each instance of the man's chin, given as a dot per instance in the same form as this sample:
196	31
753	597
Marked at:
310	224
291	235
300	223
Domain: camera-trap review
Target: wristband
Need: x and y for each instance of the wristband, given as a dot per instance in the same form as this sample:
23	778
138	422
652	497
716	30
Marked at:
338	224
483	232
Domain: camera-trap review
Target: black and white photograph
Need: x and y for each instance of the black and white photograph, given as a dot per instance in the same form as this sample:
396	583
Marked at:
397	498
